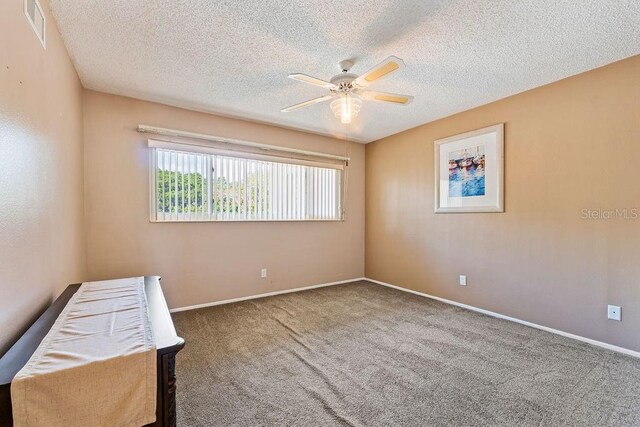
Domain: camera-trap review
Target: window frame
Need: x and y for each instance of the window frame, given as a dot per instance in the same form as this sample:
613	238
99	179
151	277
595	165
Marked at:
202	149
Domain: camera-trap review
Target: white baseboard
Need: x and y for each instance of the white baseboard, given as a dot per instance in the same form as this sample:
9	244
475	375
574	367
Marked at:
446	301
513	319
268	294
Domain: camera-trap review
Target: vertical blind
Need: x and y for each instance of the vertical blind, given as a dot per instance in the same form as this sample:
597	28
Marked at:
194	186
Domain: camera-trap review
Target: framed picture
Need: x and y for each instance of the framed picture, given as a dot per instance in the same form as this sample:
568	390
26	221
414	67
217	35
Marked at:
469	171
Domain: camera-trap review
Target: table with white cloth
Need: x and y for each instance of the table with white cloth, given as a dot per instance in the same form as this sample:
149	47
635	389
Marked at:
102	354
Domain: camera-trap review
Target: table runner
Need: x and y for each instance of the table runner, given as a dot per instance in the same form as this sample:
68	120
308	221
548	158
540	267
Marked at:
97	364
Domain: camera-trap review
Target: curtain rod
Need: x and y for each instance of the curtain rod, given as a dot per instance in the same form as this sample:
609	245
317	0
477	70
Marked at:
266	147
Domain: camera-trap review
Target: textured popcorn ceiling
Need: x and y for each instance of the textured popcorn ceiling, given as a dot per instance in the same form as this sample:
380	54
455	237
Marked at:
232	57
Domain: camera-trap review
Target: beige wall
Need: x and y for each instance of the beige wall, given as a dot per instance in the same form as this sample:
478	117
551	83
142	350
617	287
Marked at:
571	145
204	262
41	210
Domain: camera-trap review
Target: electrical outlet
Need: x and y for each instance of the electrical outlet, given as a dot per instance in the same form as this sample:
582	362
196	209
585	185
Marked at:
614	312
263	273
463	280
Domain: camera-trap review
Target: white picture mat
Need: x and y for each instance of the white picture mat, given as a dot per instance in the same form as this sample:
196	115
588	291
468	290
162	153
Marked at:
492	138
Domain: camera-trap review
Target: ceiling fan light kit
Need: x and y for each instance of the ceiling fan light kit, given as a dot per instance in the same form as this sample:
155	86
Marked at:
346	107
347	91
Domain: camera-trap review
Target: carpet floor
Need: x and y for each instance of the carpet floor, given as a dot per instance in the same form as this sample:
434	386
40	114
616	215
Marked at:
361	354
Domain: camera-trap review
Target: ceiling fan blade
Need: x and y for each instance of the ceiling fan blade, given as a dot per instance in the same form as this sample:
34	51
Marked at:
307	103
383	69
311	80
393	98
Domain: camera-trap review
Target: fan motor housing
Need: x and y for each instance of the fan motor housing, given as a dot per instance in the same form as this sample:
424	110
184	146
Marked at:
343	81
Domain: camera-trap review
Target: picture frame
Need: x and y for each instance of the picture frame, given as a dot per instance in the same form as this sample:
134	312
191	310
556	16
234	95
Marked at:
469	171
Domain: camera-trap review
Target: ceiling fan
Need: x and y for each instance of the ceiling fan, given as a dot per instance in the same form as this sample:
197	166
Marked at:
348	90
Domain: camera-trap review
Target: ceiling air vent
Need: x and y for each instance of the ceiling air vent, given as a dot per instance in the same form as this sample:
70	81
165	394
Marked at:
36	18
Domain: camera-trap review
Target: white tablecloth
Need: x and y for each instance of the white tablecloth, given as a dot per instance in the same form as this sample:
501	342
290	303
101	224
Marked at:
97	364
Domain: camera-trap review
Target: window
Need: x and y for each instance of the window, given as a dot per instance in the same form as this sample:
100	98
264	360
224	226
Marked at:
191	184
